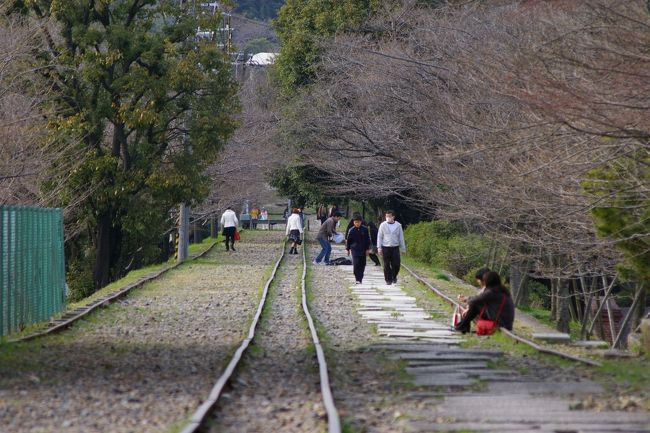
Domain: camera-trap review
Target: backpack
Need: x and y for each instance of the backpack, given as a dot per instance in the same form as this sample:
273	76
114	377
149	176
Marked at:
340	261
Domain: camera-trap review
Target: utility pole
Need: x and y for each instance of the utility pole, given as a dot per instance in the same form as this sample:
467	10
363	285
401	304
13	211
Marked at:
225	32
183	233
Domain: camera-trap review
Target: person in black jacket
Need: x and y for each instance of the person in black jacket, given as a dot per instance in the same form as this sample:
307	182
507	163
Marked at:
358	244
372	228
491	298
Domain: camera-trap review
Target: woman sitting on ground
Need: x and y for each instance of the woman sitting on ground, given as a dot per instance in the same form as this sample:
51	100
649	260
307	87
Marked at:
461	308
494	297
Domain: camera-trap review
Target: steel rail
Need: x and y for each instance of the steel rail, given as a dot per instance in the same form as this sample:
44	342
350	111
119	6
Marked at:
510	334
333	420
72	316
204	409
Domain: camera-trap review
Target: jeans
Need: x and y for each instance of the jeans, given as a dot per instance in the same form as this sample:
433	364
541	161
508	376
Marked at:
325	252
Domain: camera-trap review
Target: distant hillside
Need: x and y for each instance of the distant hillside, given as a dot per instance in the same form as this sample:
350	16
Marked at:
259	9
253	36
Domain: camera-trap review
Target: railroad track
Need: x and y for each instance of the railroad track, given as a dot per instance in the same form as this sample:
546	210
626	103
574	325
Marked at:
200	417
71	317
510	334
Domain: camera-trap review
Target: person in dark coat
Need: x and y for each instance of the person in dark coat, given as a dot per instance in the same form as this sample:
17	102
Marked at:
357	244
491	297
351	223
372	228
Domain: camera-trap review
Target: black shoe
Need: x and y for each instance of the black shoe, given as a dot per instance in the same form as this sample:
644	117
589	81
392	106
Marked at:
233	248
389	282
395	281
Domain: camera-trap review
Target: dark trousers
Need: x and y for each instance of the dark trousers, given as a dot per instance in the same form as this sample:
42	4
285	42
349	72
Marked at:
392	263
374	258
359	266
229	234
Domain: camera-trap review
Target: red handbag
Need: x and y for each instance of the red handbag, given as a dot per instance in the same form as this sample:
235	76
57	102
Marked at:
237	237
489	327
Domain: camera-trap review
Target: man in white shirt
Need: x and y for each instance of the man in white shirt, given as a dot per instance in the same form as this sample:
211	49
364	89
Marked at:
229	223
390	239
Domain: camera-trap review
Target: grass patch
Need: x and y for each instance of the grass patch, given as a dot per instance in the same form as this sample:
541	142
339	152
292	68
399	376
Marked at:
633	375
347	427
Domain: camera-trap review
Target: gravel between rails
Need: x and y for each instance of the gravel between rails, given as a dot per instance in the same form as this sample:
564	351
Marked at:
371	392
144	363
277	389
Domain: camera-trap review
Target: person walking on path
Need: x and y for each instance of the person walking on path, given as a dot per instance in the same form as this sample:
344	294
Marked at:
321	213
358	243
255	214
372	232
294	230
390	239
264	216
372	228
327	230
229	223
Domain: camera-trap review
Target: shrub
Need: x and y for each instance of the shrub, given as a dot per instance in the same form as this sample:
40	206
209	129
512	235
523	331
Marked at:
446	245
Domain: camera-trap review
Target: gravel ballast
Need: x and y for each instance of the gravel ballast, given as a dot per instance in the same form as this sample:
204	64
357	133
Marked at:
144	363
277	388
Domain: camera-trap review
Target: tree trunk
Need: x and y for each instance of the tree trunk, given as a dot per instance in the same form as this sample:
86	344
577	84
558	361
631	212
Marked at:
103	250
639	311
554	315
519	282
214	229
564	318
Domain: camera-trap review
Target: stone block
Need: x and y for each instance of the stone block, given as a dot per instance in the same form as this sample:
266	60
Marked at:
645	335
552	337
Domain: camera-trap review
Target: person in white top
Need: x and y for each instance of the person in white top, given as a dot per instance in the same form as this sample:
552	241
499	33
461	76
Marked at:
390	239
229	223
294	230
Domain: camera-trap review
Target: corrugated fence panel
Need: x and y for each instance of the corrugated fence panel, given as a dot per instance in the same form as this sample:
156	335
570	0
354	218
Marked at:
32	266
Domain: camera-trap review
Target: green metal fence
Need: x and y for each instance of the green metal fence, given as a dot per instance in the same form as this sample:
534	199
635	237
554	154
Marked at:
32	268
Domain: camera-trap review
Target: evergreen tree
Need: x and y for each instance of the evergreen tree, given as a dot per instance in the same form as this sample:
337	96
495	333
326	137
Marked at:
144	106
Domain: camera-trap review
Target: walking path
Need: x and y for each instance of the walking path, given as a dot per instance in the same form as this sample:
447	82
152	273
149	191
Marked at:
476	396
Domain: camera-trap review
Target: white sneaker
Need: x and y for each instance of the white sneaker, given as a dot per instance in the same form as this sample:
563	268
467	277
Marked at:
315	263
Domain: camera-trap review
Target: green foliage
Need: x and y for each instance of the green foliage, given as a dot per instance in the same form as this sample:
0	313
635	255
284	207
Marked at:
446	245
299	183
623	210
144	109
302	24
539	295
259	45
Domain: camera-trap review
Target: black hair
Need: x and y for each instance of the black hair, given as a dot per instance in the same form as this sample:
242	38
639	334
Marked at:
492	281
479	274
337	214
390	211
357	217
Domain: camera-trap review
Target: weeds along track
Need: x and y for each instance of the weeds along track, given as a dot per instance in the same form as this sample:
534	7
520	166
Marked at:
70	317
271	382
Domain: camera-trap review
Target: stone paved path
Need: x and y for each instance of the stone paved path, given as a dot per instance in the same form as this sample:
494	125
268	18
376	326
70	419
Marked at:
476	397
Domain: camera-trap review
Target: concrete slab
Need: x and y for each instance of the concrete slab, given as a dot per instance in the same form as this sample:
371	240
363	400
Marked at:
552	337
